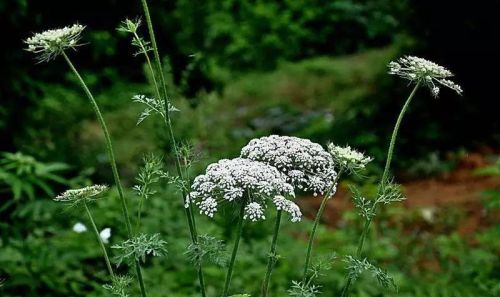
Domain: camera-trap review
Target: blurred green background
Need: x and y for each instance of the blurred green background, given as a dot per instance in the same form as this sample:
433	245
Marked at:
239	70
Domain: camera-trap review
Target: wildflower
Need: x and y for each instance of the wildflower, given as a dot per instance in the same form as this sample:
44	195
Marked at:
289	207
348	159
105	234
254	212
76	196
429	214
51	43
79	228
428	73
306	164
239	181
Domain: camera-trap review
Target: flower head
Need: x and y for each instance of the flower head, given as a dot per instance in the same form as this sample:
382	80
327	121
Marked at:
79	228
238	181
76	196
51	43
348	159
289	207
254	211
306	164
428	73
105	235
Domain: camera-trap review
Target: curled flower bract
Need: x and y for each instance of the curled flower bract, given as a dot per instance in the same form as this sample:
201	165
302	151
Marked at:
348	159
238	181
428	73
51	43
306	164
75	196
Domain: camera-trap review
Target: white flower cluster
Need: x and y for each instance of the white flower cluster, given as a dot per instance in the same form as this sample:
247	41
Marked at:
289	207
238	180
75	196
306	164
51	43
417	69
254	211
348	159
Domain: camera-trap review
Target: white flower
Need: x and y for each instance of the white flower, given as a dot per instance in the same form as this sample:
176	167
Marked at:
76	196
428	73
306	164
51	43
208	207
254	212
238	181
428	213
79	228
289	207
348	159
105	234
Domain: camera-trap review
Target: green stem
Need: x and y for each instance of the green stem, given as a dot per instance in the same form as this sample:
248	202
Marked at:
319	214
235	251
272	255
139	214
383	181
189	215
103	248
148	62
112	161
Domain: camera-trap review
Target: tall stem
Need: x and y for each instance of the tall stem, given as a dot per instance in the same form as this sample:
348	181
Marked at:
235	251
99	239
139	214
112	161
189	213
272	255
383	181
319	214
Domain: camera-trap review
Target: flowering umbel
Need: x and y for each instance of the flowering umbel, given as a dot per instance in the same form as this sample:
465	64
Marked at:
51	43
306	164
242	181
428	73
348	159
86	194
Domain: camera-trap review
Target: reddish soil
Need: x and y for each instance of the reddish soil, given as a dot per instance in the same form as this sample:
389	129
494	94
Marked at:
460	189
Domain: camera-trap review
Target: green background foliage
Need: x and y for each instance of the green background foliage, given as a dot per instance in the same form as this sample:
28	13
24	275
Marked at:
314	69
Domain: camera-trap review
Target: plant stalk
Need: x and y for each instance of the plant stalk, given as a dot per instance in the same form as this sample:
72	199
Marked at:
189	213
235	251
112	161
319	214
101	243
383	181
272	255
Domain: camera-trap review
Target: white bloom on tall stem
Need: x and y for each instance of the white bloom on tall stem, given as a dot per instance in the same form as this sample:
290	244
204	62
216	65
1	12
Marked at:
289	207
305	163
51	43
254	211
238	181
348	159
428	73
86	194
250	185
